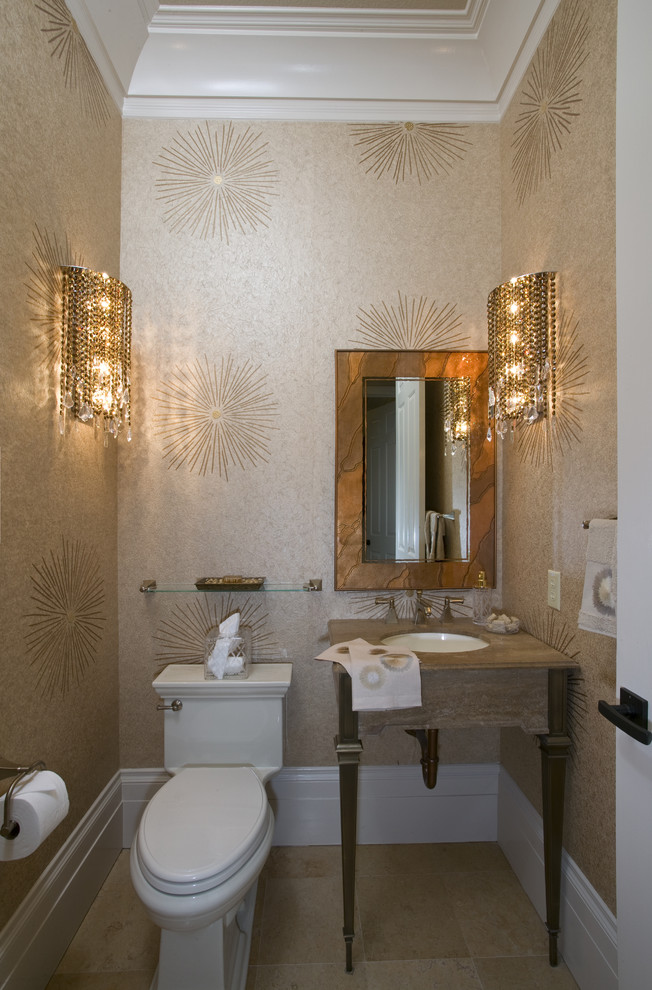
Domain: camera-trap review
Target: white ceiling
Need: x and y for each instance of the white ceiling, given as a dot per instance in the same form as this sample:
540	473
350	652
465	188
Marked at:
431	61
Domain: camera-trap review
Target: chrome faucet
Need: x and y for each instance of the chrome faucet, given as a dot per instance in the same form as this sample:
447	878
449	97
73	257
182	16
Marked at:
390	615
446	614
422	611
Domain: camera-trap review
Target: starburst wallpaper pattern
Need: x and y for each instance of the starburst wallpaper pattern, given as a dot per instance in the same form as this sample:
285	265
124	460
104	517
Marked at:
80	73
44	291
212	418
216	180
550	100
183	634
553	630
410	150
416	324
538	442
404	602
65	626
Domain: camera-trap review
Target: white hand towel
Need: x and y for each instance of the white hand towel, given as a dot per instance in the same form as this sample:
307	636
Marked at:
381	678
598	611
435	536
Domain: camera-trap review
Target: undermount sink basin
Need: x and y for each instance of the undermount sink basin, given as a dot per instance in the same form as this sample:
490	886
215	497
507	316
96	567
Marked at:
436	642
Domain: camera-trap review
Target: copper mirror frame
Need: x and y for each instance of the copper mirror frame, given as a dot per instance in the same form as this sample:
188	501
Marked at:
352	573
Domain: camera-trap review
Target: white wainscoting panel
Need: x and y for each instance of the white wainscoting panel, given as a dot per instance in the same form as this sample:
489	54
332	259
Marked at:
33	941
394	805
588	940
138	787
471	803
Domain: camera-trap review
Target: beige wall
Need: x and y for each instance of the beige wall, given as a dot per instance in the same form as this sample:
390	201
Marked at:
276	300
60	203
283	296
568	224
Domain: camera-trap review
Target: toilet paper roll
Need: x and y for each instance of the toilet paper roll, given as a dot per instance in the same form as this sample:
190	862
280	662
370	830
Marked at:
39	803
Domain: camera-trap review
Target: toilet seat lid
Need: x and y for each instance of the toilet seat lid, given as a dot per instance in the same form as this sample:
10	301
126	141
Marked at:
201	826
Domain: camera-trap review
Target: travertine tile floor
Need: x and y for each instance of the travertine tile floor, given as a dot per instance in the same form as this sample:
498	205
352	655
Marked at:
429	917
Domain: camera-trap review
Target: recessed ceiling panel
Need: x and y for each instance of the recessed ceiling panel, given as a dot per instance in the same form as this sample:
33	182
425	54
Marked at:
434	60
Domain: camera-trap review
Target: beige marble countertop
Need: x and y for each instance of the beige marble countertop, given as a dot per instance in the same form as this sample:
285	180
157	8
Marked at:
505	652
505	684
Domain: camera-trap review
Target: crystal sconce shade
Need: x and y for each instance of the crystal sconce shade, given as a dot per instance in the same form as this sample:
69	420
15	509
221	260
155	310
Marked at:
522	324
95	350
457	413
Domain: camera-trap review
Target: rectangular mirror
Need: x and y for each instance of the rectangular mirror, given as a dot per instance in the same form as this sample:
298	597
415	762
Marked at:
415	480
416	477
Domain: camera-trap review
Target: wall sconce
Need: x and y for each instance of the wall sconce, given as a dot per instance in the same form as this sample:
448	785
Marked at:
95	350
457	414
522	322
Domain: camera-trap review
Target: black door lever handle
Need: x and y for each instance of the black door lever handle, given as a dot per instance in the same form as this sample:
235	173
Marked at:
630	715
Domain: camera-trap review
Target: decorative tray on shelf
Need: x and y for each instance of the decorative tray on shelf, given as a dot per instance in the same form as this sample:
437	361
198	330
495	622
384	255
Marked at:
230	582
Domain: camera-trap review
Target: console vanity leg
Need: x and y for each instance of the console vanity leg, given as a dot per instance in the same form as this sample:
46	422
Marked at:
348	748
555	748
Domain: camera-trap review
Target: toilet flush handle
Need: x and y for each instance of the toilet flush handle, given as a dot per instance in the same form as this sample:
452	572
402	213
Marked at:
176	706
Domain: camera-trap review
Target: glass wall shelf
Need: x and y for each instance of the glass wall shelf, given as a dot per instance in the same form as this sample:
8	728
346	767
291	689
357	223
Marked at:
150	586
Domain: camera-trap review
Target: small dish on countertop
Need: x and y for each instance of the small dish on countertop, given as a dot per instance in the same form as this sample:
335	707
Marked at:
502	624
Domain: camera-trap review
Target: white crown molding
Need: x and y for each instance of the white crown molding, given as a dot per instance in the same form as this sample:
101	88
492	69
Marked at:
103	58
321	64
147	9
352	111
524	57
340	22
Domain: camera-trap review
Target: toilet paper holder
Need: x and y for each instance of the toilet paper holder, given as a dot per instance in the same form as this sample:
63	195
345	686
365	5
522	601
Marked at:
10	829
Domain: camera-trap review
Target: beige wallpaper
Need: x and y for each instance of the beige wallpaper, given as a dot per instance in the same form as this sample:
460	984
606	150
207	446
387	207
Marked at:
60	163
263	247
558	213
254	251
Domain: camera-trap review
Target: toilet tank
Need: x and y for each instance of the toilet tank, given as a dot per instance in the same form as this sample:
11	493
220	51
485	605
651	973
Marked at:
224	722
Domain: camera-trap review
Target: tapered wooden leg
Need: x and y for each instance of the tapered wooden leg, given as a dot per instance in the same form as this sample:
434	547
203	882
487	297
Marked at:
555	748
348	748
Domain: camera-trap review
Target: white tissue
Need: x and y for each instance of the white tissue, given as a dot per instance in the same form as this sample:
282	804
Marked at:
216	660
230	625
221	659
39	803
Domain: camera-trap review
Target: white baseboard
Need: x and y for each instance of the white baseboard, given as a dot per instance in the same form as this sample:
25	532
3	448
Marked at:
138	787
471	803
394	805
33	941
588	940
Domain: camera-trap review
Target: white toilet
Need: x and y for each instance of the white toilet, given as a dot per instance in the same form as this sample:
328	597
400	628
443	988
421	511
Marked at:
205	835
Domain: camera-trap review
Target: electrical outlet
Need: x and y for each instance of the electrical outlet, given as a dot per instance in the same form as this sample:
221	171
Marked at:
554	589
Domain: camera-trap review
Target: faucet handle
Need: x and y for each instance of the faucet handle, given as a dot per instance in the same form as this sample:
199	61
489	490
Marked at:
447	615
390	615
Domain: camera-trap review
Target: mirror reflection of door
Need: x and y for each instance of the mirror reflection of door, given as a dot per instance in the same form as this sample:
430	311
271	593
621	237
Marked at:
380	439
410	468
416	475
